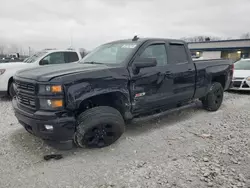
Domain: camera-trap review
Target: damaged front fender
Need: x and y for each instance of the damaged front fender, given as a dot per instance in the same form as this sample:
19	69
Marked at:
107	82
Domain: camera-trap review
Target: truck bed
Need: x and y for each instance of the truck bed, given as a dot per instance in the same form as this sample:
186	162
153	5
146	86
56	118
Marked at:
207	69
217	61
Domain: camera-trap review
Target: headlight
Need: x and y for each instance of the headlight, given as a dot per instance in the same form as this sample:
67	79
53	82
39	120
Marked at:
2	71
54	89
51	104
248	78
50	89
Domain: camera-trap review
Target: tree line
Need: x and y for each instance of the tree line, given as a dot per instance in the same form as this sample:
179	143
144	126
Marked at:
203	38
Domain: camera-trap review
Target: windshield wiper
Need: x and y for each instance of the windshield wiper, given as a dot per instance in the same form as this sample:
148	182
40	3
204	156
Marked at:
92	62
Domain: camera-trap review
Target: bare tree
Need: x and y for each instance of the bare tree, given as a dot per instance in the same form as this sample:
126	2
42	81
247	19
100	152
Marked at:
200	38
83	52
245	36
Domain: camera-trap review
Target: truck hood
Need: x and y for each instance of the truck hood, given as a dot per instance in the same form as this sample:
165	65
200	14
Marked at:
241	73
48	72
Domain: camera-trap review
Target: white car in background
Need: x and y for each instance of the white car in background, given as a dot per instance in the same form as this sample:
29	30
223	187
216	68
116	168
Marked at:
241	77
42	58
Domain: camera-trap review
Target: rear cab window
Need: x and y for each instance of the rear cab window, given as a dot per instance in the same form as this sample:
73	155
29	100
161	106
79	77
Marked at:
71	57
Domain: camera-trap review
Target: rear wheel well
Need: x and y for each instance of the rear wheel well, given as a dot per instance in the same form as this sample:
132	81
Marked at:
116	100
9	82
220	79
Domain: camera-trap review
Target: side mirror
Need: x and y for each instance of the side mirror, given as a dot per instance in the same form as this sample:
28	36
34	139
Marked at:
44	62
140	63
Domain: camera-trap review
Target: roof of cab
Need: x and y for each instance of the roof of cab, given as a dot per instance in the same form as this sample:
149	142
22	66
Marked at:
142	40
58	50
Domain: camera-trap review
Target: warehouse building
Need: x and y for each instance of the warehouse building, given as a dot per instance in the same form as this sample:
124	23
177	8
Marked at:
229	49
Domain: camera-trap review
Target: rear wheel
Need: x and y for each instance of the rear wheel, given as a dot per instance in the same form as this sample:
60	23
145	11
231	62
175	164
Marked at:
11	90
212	101
99	127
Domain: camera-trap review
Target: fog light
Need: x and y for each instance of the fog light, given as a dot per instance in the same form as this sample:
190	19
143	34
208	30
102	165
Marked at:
49	127
55	103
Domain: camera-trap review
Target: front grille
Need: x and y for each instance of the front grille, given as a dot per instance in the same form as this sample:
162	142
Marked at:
238	78
27	101
26	94
25	87
237	83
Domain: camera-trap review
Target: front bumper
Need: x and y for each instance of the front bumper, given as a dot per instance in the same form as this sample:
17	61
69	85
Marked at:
240	89
4	80
63	125
240	84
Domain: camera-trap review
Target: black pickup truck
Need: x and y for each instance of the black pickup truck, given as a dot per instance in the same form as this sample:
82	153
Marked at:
90	102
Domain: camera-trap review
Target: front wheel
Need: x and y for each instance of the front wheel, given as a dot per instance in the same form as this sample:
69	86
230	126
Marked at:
99	127
212	101
12	92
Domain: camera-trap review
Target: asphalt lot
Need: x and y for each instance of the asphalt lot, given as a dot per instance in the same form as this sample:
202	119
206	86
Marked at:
189	147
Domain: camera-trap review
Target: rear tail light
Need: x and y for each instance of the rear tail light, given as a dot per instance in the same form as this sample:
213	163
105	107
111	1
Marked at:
232	68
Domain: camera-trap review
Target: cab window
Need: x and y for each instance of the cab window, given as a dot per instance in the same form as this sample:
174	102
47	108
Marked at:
157	51
178	54
54	58
71	57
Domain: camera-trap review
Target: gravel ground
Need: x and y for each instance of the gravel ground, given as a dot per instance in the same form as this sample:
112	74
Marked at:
189	147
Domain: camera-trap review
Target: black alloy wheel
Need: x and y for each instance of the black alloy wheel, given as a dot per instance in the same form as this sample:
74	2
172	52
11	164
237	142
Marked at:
213	100
99	127
100	136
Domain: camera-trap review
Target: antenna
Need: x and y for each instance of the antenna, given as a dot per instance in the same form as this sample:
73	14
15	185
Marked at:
135	38
71	41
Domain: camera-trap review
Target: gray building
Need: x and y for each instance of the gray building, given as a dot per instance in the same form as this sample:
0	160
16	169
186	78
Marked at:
232	49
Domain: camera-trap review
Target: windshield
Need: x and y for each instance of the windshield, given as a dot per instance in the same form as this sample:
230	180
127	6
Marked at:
114	53
242	65
34	57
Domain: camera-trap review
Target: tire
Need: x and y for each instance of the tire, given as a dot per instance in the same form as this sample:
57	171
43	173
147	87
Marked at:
11	90
212	101
99	127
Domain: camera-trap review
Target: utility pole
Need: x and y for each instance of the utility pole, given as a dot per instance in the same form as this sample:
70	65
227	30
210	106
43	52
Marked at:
71	39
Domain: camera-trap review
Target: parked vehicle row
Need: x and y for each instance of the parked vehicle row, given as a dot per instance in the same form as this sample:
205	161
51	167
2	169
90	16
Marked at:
45	57
89	102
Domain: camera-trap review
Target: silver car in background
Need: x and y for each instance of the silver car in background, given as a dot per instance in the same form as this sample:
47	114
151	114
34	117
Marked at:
241	77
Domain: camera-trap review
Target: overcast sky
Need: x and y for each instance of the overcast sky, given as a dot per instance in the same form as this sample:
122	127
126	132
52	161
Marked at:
50	23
